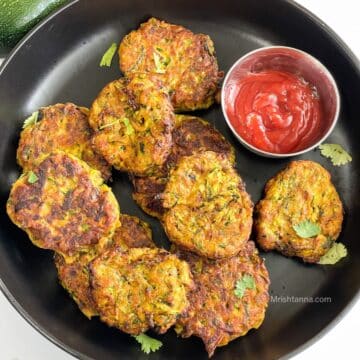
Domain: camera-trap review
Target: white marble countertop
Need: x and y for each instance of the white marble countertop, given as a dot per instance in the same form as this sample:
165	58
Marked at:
19	341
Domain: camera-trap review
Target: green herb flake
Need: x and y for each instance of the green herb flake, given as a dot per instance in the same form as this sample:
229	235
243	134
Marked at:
148	344
246	282
32	178
31	120
337	154
335	253
161	61
85	227
307	229
108	55
52	179
129	129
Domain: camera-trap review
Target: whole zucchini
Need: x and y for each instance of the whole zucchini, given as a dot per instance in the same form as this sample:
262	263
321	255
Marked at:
17	17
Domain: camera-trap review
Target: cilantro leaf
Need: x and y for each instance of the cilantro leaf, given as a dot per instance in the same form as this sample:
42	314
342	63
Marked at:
108	55
148	344
32	178
335	253
31	120
307	229
336	153
246	282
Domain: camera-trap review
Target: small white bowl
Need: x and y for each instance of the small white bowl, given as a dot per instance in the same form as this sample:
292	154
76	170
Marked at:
291	60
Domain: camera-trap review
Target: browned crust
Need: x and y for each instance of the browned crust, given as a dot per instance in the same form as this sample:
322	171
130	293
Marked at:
68	209
75	278
133	233
208	210
140	288
302	191
216	314
133	120
186	61
190	135
60	127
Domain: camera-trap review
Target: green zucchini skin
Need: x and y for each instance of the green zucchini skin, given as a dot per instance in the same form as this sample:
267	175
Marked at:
17	17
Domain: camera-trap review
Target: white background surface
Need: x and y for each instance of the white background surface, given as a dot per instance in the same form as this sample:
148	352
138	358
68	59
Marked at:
19	341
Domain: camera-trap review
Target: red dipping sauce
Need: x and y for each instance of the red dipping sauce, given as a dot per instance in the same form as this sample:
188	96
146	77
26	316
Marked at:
275	111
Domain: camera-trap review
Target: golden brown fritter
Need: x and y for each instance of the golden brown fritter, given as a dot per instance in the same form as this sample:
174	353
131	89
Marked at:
140	288
133	233
208	210
186	61
133	120
193	134
60	127
63	205
303	191
230	297
75	278
148	194
190	135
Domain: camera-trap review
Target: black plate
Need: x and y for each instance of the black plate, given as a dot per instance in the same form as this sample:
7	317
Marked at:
58	62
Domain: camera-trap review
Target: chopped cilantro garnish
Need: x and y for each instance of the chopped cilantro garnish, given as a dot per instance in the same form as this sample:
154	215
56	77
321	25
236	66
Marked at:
108	55
148	344
335	253
31	120
336	153
32	178
307	229
246	282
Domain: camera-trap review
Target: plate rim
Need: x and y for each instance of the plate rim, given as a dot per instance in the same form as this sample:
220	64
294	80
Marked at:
53	339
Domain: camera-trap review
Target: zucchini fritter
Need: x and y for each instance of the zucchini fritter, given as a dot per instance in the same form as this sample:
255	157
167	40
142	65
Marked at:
186	61
208	210
190	135
64	205
303	191
140	288
148	194
60	127
133	120
133	233
75	278
217	312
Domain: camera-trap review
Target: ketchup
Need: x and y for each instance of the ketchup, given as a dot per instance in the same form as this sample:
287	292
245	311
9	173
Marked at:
275	111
